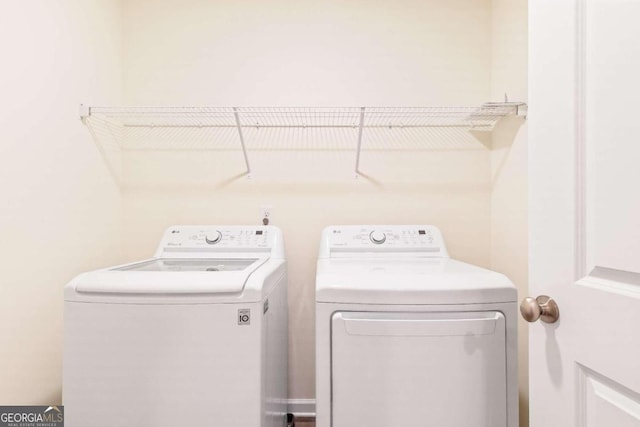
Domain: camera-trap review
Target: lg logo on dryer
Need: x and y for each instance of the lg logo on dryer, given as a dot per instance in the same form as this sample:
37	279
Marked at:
244	317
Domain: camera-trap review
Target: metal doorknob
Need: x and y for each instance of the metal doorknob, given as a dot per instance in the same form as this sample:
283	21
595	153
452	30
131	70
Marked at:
543	308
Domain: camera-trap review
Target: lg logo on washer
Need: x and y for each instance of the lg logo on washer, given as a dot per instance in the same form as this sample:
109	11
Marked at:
244	316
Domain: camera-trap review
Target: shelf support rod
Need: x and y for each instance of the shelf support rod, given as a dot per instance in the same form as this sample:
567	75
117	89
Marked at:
360	128
244	147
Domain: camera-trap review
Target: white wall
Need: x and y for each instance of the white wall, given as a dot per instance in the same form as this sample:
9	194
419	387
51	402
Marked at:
60	210
509	206
288	52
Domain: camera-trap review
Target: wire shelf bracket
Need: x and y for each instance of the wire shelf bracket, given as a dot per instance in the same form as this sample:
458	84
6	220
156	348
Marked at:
244	147
359	148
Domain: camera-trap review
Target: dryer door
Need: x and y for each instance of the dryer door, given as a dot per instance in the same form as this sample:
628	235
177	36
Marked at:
431	369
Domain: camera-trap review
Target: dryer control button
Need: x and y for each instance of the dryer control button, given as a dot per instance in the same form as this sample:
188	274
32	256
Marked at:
213	238
377	237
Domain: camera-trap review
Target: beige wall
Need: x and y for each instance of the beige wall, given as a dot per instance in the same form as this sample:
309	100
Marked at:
60	210
509	207
306	52
313	53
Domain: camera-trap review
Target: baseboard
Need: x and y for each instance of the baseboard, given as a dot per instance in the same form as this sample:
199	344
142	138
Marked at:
302	408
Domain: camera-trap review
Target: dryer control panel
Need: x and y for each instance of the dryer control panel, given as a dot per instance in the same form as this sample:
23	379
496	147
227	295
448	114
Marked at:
193	239
425	240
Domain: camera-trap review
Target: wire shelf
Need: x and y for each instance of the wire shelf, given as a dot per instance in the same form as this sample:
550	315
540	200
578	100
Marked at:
253	129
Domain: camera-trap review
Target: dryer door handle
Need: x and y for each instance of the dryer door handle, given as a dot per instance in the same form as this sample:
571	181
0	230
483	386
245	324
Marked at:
427	326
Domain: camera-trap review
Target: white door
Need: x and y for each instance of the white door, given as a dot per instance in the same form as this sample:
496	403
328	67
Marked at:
585	211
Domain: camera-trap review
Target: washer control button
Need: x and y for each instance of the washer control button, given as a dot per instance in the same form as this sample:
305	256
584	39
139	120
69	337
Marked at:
213	238
377	237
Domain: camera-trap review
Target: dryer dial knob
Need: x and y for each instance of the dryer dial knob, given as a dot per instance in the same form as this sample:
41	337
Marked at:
213	238
378	237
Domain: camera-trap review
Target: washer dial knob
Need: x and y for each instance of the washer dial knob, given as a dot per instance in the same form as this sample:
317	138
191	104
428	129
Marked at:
377	237
213	238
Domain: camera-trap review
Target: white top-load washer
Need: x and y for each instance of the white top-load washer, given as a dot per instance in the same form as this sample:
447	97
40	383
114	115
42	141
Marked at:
196	336
406	336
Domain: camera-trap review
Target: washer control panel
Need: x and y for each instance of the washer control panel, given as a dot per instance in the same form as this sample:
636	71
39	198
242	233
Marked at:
219	238
383	238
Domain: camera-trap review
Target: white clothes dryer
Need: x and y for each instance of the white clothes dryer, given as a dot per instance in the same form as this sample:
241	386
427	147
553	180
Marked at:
195	336
407	336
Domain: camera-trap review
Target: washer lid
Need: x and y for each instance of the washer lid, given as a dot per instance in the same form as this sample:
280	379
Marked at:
172	276
189	264
409	281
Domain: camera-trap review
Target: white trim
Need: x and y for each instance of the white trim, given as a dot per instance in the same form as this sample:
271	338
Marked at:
580	142
612	280
302	407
